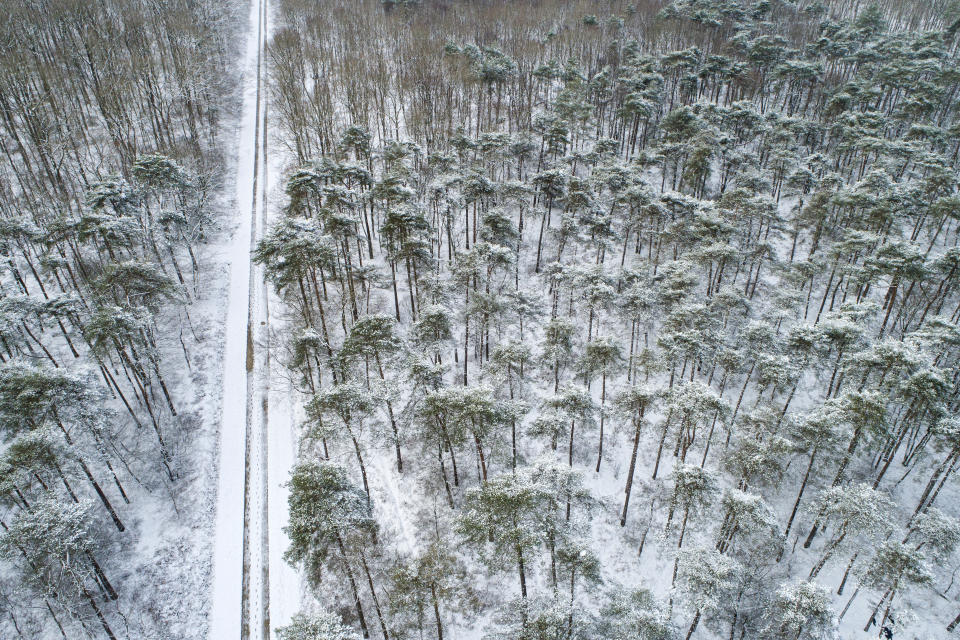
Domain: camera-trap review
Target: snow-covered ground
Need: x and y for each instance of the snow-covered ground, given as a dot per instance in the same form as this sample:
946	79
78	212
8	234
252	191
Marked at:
281	415
253	589
228	540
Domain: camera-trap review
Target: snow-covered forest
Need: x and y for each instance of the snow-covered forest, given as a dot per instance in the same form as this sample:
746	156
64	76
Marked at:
582	319
112	165
621	319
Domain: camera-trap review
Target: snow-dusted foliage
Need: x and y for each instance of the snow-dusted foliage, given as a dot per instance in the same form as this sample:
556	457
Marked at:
801	610
594	318
625	319
112	158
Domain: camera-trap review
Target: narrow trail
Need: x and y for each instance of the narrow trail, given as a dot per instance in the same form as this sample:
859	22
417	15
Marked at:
249	515
255	585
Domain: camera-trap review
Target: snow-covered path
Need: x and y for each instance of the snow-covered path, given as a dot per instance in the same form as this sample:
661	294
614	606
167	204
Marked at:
254	460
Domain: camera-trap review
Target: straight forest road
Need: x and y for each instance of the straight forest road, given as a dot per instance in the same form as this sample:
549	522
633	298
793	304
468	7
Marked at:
254	460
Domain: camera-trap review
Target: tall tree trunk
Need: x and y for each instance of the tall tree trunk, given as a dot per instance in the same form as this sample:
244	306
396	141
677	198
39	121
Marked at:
436	610
603	401
633	466
353	587
373	593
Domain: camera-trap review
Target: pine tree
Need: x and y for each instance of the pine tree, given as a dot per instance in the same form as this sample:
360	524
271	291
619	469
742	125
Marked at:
854	510
349	403
321	626
635	615
373	336
330	519
895	567
510	516
704	579
800	610
54	540
426	586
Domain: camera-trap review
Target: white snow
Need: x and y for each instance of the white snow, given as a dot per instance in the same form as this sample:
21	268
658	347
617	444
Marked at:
258	430
225	608
282	418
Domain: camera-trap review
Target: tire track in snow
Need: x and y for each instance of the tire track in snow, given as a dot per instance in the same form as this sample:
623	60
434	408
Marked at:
255	591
